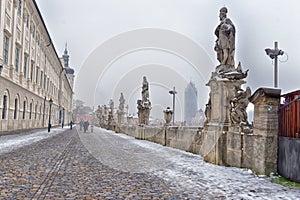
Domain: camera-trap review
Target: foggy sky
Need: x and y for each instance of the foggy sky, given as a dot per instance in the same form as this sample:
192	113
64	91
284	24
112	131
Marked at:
87	25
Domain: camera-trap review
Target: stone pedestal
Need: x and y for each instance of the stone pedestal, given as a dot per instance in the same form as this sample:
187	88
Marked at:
221	93
218	120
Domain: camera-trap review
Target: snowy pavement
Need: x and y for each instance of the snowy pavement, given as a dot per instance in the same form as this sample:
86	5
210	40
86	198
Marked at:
187	172
11	142
183	172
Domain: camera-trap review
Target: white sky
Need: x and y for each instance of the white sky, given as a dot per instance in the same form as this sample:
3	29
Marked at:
89	25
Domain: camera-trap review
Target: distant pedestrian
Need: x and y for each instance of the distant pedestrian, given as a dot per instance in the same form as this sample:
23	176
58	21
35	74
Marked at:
85	126
71	124
81	124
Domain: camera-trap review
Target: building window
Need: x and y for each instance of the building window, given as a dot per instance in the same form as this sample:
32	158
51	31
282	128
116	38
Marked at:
30	110
40	111
24	109
17	59
6	49
31	72
25	66
48	82
37	75
4	107
16	108
33	31
41	80
27	20
36	107
38	39
45	81
20	8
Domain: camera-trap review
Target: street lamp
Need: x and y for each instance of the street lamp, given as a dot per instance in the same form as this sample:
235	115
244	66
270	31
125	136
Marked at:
173	92
49	123
274	53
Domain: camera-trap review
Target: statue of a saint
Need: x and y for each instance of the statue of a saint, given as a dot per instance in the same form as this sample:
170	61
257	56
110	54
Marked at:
225	43
122	103
145	90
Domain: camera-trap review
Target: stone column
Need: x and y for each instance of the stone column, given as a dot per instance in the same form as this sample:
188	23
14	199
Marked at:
265	131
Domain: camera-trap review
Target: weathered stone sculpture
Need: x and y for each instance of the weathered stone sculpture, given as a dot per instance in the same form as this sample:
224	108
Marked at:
239	105
104	116
168	113
144	105
225	48
98	114
121	110
226	108
145	90
111	120
225	44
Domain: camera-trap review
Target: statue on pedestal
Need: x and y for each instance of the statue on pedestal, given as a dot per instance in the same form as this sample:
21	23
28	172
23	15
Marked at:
225	48
121	111
144	104
145	90
111	120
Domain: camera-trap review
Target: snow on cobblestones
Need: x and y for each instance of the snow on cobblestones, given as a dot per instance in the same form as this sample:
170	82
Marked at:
187	172
11	142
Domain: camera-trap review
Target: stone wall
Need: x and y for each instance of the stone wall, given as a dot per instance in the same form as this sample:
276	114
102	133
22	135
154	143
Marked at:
184	138
225	144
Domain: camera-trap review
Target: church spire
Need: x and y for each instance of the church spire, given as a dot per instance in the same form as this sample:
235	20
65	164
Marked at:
66	56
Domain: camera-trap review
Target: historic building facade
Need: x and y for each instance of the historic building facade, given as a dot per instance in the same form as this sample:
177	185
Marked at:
31	73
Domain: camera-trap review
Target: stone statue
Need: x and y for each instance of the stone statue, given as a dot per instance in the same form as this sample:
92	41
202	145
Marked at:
144	104
225	43
207	112
239	105
121	111
168	113
145	89
111	106
111	120
122	103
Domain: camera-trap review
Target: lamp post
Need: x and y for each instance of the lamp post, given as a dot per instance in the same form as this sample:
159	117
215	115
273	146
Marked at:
173	92
274	53
49	123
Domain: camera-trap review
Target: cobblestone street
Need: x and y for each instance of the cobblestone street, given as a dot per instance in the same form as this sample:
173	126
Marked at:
61	168
105	165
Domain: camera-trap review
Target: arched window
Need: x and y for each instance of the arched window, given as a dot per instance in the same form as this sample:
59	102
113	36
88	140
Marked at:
35	113
24	109
30	110
4	107
16	109
40	111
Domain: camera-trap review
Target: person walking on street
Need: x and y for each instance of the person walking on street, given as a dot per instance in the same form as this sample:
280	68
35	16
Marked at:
81	124
85	126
